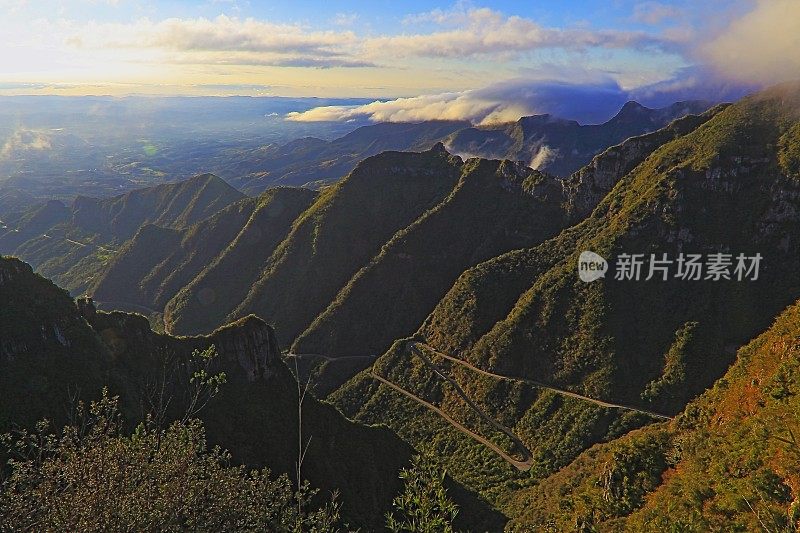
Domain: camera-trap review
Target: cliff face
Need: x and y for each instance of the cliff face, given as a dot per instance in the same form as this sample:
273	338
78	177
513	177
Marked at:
586	188
10	269
252	344
39	330
249	344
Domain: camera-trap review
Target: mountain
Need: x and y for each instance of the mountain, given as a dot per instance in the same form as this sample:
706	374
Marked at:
14	202
730	186
398	263
545	142
559	146
170	205
157	263
339	233
73	244
496	207
309	159
32	223
215	291
54	353
729	461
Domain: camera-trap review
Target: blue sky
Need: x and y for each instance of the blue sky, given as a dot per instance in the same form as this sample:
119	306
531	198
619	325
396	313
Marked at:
386	49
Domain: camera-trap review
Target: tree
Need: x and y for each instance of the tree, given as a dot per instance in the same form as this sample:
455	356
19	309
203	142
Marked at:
424	506
94	478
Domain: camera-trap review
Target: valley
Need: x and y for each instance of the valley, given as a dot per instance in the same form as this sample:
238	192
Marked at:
417	301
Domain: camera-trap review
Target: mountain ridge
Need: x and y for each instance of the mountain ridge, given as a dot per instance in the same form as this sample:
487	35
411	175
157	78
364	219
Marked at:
525	313
559	146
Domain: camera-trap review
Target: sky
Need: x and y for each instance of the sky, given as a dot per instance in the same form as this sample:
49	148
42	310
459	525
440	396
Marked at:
484	61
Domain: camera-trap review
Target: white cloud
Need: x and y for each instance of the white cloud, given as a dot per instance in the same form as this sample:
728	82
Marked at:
501	102
222	33
483	31
445	106
458	34
22	140
761	46
225	40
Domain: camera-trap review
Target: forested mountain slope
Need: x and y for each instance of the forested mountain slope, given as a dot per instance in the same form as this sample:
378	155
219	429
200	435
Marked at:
730	186
72	244
728	462
496	207
150	269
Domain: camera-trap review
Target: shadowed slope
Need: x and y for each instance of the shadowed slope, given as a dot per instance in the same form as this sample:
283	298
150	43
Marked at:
655	344
342	230
495	207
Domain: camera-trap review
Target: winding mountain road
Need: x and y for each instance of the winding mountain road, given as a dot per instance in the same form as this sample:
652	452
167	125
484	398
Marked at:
520	465
419	348
545	386
528	462
327	357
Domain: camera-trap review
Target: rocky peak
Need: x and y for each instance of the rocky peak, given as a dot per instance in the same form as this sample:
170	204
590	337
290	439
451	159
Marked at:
251	343
439	148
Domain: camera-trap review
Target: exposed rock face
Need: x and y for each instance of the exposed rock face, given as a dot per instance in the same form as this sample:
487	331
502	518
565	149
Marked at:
252	343
37	330
586	188
249	343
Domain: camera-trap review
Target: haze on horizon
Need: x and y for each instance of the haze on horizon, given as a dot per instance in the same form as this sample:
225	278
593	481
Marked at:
481	61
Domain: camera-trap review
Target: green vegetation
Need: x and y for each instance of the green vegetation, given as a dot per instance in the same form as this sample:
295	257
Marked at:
92	477
603	484
75	245
518	208
789	152
423	506
478	248
729	462
344	228
54	355
655	344
216	283
414	269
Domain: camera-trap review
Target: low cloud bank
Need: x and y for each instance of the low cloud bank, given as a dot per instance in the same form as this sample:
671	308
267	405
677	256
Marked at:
22	140
587	103
500	102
